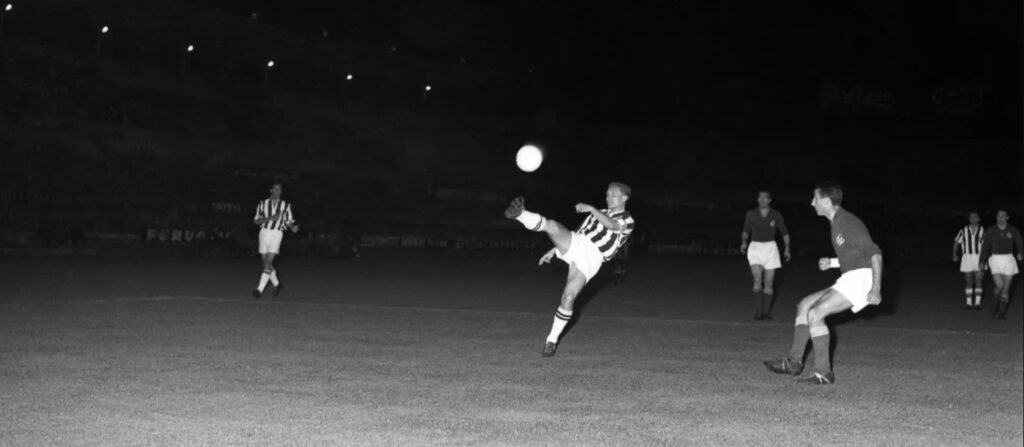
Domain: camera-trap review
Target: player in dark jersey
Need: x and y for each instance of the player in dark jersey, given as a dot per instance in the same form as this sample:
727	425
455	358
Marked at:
760	225
273	216
997	256
596	240
967	250
859	286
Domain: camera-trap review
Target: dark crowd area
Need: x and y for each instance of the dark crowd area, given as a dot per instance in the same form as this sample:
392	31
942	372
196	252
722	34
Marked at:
126	140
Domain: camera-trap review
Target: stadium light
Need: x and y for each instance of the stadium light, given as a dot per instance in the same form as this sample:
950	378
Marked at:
99	40
7	8
185	58
266	73
348	77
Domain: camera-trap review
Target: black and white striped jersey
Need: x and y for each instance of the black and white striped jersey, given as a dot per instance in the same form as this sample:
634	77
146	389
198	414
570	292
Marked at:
606	240
970	239
267	208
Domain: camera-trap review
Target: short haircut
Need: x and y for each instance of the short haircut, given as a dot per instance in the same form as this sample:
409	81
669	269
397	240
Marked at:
832	190
626	190
766	191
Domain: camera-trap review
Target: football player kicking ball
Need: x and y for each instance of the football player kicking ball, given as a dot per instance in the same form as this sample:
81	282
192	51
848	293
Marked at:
596	240
273	216
859	286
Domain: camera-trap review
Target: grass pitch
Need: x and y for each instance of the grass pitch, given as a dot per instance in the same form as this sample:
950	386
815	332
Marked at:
444	349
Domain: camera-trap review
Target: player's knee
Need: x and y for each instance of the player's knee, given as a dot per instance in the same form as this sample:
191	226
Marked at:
816	316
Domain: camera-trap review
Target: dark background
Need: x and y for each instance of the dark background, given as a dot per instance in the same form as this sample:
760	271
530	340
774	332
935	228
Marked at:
945	69
915	107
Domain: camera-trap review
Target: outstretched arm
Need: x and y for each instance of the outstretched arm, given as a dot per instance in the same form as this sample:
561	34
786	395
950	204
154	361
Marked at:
601	217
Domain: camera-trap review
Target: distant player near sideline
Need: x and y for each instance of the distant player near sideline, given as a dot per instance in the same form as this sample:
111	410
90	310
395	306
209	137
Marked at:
968	244
997	255
596	240
273	216
760	224
859	286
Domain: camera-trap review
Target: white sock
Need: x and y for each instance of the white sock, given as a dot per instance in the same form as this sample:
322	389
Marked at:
264	277
977	296
562	318
273	278
532	221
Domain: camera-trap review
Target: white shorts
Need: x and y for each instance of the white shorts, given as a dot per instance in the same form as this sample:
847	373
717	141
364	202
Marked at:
584	254
1003	265
764	253
969	263
855	285
270	241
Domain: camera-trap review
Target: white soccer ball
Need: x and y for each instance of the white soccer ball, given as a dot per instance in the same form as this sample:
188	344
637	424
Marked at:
529	158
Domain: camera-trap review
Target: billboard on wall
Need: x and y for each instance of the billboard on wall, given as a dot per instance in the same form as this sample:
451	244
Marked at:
963	99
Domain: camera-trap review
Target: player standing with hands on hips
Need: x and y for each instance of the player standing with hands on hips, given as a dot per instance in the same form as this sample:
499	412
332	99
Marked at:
596	240
997	255
273	216
859	286
760	224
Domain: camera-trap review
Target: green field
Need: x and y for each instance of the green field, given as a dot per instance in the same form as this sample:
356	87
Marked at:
404	348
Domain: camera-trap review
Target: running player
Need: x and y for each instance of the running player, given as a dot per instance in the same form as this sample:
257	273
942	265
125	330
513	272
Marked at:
859	286
273	216
761	224
968	243
997	255
596	240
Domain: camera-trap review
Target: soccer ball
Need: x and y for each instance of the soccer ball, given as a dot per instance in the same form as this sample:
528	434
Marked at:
529	158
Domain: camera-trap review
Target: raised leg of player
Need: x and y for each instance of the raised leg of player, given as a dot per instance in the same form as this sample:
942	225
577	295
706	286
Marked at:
558	233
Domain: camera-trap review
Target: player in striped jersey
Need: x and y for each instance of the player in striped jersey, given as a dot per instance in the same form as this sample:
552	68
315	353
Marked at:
596	240
273	216
968	242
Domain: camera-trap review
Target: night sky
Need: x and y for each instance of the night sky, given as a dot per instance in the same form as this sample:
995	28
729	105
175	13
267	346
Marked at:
898	95
640	50
892	69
